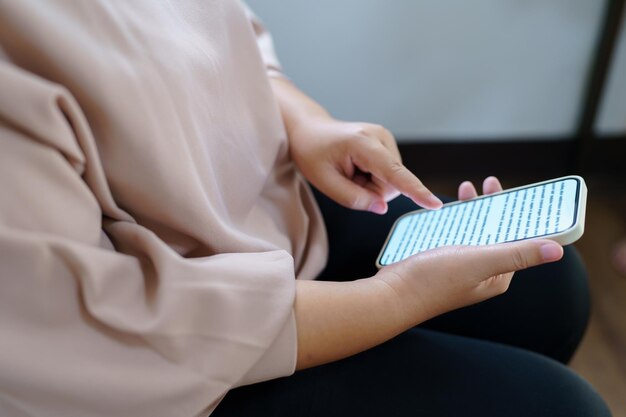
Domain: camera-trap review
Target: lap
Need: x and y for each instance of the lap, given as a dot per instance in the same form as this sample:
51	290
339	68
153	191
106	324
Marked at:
474	361
424	373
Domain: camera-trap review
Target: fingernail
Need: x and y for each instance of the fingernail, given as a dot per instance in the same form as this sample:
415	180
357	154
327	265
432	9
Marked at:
551	252
378	207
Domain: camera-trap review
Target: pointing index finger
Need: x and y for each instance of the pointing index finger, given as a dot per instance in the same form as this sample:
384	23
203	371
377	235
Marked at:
390	170
408	184
395	174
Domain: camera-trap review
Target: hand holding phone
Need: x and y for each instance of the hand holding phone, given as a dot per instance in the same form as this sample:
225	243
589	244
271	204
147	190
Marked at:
553	209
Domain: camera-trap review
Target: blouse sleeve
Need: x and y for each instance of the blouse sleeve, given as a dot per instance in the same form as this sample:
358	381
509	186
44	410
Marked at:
100	317
265	43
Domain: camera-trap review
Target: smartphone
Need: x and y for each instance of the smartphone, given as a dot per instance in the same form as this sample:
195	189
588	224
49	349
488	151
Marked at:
553	209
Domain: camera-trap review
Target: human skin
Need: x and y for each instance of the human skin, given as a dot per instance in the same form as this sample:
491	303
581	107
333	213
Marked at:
359	166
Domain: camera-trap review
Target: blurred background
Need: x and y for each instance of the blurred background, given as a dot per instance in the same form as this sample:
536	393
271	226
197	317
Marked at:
525	90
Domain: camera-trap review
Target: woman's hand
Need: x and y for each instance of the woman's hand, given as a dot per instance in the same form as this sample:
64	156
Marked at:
444	279
356	164
338	319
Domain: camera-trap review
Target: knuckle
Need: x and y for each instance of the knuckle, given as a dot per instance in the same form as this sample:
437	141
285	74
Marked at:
396	170
456	252
519	260
360	130
369	129
358	138
355	202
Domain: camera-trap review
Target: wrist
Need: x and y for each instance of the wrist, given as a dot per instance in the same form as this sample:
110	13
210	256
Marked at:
339	319
410	303
297	109
394	302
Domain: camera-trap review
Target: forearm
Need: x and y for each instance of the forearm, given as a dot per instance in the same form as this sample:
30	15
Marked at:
295	106
339	319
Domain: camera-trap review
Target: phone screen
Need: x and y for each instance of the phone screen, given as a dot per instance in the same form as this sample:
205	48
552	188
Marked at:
528	212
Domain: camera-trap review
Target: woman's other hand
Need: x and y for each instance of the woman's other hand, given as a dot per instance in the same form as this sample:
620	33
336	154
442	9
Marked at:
356	164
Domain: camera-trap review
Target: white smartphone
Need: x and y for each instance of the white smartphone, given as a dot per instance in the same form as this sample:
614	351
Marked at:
553	209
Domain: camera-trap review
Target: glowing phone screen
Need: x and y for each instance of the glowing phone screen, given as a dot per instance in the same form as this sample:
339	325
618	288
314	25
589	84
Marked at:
531	212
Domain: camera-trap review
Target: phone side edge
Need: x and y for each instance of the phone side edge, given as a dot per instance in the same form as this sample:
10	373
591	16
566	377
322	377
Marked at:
574	233
390	233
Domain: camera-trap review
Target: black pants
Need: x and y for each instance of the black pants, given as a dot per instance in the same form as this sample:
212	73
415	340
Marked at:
502	357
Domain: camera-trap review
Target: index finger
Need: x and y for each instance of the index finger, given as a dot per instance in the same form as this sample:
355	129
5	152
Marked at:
381	164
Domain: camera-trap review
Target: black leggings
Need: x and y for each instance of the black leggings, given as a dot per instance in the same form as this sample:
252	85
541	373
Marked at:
502	357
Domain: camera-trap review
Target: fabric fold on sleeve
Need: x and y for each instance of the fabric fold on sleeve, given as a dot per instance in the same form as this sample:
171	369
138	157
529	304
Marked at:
92	331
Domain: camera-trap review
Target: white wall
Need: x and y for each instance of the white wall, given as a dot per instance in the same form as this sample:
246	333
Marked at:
430	69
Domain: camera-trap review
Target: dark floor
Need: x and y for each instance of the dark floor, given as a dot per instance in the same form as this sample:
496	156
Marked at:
601	359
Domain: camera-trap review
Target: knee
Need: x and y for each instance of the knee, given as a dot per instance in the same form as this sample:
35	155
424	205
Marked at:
572	305
559	304
558	391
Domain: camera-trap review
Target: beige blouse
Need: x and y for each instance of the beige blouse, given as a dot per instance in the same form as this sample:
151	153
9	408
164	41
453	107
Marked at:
151	220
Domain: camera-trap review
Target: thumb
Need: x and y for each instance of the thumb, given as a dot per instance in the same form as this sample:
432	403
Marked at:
502	258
